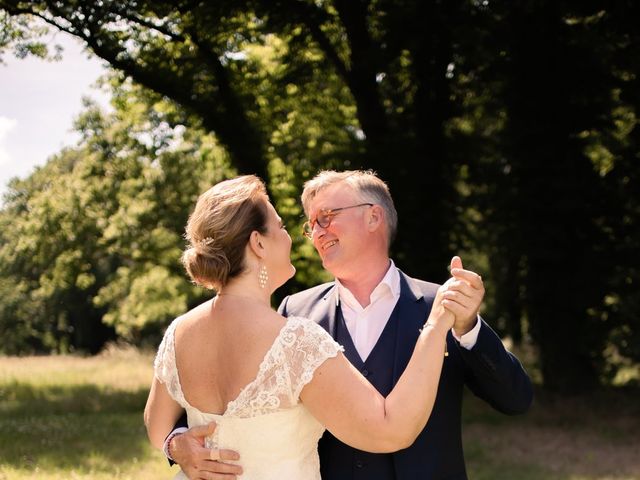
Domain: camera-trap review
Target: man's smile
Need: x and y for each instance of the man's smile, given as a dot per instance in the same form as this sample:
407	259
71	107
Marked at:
329	244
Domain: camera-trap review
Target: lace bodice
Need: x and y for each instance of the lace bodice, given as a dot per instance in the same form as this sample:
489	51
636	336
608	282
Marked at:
266	421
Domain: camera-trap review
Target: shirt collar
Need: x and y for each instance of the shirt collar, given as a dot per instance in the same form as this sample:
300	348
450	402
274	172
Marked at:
390	282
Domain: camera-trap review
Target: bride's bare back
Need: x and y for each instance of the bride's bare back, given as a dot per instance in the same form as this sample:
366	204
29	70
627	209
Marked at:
219	347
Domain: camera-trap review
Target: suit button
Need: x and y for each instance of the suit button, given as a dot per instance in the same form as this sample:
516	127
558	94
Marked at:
359	464
365	372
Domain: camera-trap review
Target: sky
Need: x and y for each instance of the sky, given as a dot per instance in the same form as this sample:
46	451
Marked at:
38	103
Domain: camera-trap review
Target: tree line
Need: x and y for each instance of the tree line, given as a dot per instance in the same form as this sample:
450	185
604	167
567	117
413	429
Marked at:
507	132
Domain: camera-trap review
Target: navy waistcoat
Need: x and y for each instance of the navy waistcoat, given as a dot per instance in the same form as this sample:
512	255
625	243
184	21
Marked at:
340	461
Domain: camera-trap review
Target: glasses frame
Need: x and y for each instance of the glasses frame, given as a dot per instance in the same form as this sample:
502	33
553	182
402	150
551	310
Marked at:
328	213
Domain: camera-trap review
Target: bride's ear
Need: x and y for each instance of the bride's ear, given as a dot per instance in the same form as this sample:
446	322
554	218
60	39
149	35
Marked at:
256	244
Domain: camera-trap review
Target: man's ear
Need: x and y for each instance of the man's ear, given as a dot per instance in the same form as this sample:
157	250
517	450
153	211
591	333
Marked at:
376	217
256	245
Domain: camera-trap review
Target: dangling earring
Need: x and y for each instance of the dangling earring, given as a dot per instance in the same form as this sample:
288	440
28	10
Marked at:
263	276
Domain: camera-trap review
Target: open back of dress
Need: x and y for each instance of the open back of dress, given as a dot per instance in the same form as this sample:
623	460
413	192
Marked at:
266	424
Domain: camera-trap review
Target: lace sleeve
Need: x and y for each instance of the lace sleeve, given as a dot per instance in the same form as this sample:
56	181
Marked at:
164	365
309	345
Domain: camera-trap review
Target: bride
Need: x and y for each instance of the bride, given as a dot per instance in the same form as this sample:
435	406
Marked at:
285	380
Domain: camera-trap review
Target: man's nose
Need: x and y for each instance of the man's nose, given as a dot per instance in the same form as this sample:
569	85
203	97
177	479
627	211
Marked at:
318	231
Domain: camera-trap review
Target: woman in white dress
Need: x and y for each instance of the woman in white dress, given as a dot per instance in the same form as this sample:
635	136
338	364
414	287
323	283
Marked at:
284	379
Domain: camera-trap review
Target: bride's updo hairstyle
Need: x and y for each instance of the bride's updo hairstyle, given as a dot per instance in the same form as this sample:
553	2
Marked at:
219	228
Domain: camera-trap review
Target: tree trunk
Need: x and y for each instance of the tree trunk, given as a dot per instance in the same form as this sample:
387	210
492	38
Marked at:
556	200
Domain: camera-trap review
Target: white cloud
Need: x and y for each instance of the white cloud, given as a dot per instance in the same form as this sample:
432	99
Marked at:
6	125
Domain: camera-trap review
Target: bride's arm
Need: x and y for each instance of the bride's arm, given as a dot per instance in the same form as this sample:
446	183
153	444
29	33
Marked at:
160	413
353	410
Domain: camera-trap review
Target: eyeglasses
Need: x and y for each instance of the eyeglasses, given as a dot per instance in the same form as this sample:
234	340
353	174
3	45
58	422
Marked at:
324	218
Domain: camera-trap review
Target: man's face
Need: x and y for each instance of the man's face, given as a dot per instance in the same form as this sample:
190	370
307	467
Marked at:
341	245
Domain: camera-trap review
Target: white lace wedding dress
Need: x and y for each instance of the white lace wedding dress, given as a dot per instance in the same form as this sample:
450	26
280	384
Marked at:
276	436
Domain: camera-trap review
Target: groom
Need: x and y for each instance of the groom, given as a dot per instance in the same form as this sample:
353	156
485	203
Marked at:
375	311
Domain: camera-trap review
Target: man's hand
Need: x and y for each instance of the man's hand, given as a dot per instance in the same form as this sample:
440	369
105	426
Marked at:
465	292
199	462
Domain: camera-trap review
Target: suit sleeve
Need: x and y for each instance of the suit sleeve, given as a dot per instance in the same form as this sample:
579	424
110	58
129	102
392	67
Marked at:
181	423
495	374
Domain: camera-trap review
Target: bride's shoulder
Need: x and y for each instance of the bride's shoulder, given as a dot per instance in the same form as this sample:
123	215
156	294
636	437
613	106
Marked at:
196	313
274	321
296	320
193	316
306	325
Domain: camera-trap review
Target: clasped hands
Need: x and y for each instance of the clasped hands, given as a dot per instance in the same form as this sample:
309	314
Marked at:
461	295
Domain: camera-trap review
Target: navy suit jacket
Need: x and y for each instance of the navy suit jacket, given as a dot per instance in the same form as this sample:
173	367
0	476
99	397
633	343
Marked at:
488	369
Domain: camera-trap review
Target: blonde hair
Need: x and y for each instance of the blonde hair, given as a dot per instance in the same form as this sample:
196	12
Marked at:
365	183
219	228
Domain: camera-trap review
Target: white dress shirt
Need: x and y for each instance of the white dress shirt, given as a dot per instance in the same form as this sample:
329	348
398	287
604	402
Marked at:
365	325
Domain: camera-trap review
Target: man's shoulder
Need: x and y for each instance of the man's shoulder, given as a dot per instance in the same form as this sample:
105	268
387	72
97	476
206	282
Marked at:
311	303
311	294
428	289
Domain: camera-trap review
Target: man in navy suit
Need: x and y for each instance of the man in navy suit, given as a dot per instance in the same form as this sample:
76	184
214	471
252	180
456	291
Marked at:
375	311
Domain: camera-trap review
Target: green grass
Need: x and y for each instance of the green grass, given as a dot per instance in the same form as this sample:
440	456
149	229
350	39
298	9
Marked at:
69	417
81	418
589	437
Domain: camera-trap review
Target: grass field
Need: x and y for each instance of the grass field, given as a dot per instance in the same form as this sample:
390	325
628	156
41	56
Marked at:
81	418
76	418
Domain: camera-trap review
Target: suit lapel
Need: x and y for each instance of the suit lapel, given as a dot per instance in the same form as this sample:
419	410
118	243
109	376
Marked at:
343	337
412	311
325	315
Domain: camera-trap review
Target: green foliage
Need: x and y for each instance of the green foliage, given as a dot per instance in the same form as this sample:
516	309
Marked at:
143	299
94	237
24	36
507	133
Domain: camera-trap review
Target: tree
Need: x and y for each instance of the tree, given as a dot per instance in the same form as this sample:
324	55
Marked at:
551	204
505	131
194	53
93	238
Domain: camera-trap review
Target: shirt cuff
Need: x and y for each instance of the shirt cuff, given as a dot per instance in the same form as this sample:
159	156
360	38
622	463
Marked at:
165	445
469	339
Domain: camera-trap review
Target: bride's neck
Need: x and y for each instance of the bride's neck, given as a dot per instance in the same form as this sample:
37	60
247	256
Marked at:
243	289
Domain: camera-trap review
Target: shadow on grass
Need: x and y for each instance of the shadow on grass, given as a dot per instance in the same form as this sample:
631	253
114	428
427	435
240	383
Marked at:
605	410
482	464
581	437
18	398
84	427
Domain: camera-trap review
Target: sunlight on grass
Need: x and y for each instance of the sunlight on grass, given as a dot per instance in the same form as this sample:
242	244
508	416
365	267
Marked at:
69	417
123	369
